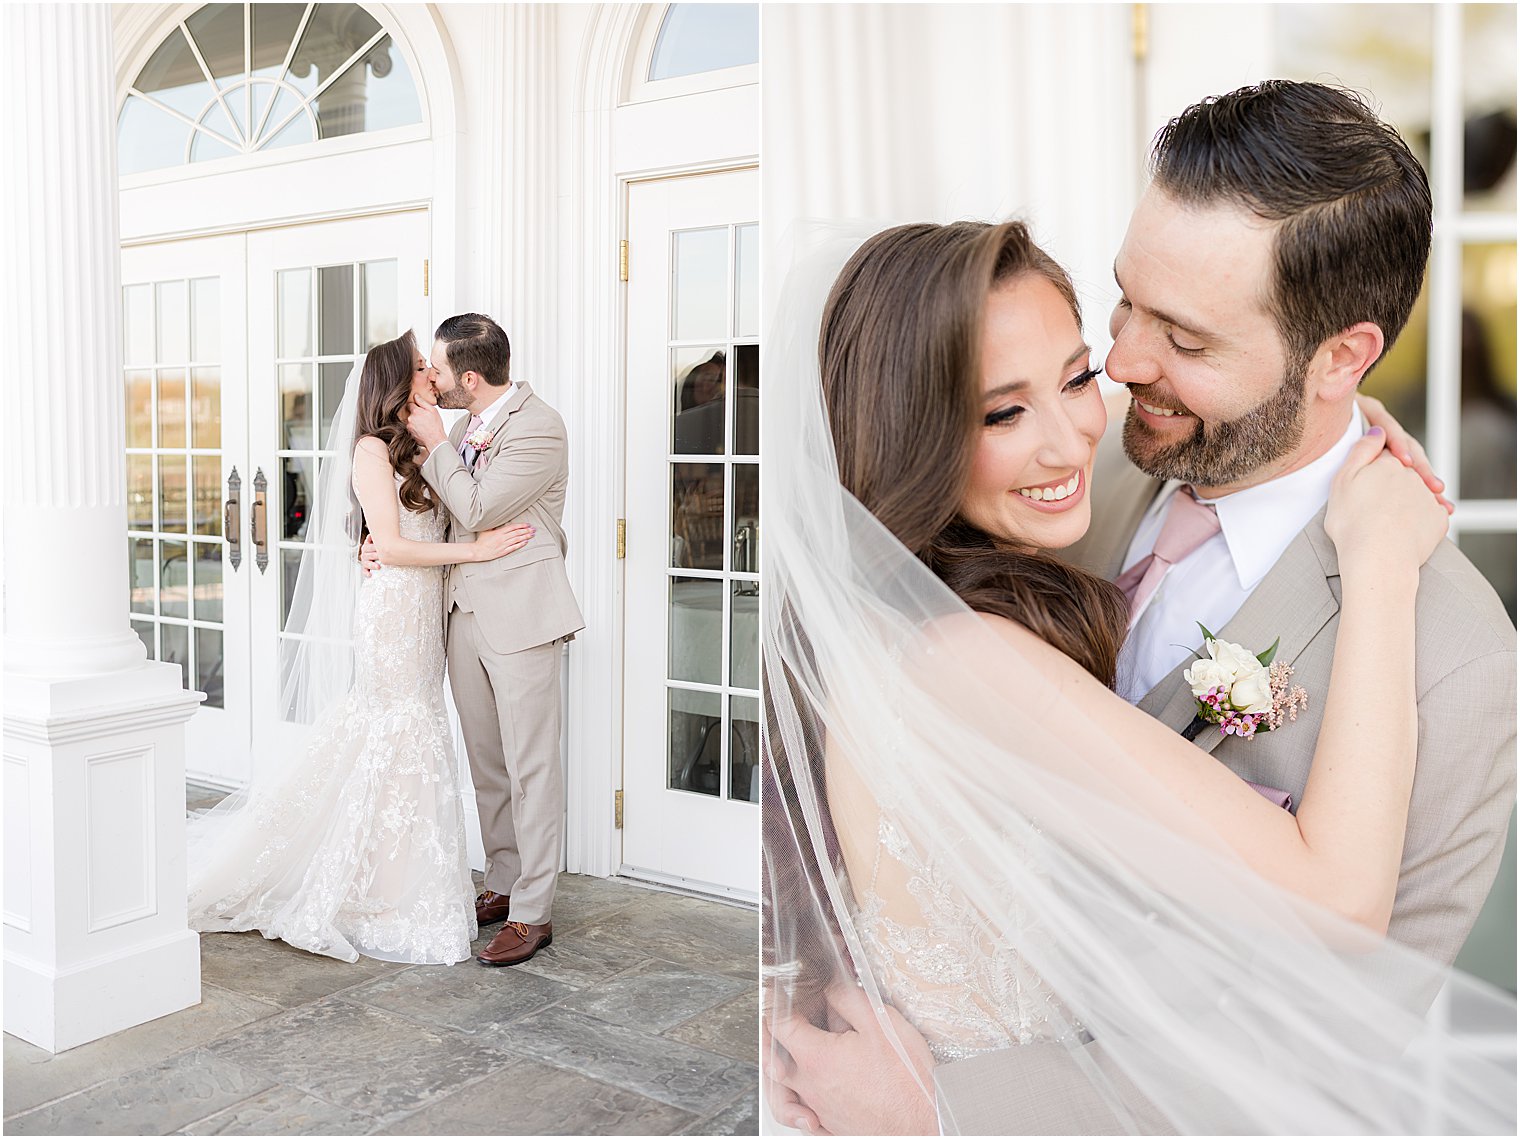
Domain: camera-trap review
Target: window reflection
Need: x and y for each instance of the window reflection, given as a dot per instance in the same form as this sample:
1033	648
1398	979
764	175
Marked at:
705	37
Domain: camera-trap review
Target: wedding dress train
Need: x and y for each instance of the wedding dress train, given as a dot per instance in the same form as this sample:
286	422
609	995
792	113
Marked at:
359	847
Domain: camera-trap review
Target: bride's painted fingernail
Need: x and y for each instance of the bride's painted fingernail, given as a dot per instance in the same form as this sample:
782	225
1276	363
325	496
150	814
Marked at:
1374	431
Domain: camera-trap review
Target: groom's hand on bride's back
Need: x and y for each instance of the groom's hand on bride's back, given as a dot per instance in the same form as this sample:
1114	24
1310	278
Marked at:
369	556
852	1080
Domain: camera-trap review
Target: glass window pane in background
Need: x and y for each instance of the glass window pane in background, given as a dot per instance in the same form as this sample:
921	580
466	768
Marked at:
208	666
149	138
295	407
140	574
208	581
746	399
697	540
298	130
705	37
334	377
172	504
173	580
744	636
746	538
207	470
696	630
295	312
140	492
205	321
1488	106
377	92
747	281
696	741
140	409
744	748
379	318
204	148
274	26
333	34
206	407
699	282
137	304
290	566
217	30
1488	371
176	642
171	407
173	77
296	492
173	323
700	376
335	310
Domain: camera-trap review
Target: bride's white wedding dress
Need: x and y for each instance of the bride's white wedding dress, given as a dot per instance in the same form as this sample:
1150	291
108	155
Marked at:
360	846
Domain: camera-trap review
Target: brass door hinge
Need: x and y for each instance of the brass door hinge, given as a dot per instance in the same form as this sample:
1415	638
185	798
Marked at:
425	267
623	260
1140	31
617	809
622	538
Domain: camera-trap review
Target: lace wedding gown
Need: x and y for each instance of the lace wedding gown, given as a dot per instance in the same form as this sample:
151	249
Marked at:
360	846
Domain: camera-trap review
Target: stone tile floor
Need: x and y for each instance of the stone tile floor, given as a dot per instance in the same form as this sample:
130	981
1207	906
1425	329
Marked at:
640	1019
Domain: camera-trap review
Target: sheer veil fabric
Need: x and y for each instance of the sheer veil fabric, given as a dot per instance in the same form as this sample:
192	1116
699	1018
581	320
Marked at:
942	831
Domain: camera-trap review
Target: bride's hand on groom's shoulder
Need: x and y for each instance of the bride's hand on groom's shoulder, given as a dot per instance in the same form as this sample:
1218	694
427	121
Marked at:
1382	515
1403	446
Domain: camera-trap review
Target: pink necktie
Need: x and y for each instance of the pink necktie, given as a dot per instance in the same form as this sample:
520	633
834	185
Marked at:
466	452
1189	524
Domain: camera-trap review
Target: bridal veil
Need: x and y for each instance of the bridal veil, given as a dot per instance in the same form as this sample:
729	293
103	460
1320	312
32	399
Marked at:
1175	988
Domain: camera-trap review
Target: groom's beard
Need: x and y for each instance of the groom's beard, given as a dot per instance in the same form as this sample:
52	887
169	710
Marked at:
1224	453
455	399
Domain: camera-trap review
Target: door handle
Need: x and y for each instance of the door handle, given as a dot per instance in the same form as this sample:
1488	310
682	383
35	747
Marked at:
232	519
259	521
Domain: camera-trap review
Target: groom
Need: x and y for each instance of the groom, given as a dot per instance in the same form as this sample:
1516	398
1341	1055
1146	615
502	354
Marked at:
1272	261
506	464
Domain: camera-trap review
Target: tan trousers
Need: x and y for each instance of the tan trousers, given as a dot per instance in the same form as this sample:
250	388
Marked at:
509	708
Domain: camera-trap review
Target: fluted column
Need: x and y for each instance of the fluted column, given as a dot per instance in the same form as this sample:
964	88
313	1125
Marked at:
94	900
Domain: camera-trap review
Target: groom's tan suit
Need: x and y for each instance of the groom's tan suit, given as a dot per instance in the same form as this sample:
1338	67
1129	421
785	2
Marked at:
1464	784
506	620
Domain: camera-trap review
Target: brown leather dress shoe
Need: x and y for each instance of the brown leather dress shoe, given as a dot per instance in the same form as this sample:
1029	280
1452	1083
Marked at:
516	943
491	906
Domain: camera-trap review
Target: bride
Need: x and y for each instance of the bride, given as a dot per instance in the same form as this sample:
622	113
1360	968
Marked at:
356	843
972	841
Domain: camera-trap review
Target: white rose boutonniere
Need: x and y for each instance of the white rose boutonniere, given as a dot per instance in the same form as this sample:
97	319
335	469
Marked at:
1242	692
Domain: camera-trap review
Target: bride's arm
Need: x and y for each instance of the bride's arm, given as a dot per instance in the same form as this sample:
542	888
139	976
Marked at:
1343	848
375	484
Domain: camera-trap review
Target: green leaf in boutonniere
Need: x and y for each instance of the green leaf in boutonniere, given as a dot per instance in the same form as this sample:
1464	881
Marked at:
1266	654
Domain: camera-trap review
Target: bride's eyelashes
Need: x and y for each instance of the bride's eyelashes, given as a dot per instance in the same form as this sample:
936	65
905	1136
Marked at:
1077	384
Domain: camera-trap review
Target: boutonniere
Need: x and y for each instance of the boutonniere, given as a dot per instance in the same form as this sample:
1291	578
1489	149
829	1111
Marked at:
1241	691
480	438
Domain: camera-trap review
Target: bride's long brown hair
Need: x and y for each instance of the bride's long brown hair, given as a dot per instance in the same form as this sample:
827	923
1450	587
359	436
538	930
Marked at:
385	392
900	356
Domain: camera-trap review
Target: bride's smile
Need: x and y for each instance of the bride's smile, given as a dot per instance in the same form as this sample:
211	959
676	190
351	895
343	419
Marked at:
1042	418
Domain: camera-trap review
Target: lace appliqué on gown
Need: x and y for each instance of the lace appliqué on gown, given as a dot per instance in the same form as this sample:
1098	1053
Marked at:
360	848
955	978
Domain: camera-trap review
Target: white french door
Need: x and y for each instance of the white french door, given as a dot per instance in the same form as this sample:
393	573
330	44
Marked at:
236	350
691	696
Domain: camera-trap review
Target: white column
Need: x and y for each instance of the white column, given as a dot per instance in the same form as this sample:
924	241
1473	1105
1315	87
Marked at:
94	902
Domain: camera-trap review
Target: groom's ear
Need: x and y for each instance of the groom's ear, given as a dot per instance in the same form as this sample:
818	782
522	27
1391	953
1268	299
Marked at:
1343	359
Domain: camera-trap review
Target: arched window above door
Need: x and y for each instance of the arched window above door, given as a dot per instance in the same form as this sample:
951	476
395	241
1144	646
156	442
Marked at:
695	38
236	79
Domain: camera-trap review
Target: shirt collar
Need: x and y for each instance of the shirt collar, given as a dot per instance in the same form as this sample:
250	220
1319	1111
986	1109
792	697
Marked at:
1258	523
491	412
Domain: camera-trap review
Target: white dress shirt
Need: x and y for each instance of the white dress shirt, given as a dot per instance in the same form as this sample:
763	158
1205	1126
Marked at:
1211	584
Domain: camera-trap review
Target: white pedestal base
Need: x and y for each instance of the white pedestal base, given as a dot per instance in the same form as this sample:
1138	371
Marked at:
94	905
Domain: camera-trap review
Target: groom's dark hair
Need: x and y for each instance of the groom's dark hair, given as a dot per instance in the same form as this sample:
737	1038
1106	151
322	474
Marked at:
477	343
1352	201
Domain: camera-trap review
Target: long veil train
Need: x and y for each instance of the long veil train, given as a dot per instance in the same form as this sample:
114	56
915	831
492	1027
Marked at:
1189	994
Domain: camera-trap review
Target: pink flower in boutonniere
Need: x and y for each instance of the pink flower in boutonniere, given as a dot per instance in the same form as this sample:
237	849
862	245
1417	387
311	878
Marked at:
1242	692
480	438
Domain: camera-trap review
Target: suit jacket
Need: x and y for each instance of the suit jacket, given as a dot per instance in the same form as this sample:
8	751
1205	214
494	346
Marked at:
524	599
1464	784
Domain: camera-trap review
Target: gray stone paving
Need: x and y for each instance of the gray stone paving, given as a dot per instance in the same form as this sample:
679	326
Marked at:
640	1019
